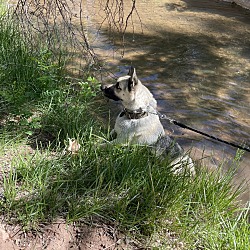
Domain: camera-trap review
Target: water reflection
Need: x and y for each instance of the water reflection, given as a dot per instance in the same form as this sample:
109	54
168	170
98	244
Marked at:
195	58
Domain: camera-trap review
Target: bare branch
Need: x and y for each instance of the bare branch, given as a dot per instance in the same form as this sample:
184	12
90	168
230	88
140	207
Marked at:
62	24
115	16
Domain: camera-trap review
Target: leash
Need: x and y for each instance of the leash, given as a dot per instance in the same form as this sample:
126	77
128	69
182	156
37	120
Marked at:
164	117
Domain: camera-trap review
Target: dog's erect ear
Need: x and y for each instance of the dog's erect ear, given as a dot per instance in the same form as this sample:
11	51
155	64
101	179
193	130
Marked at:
133	80
131	71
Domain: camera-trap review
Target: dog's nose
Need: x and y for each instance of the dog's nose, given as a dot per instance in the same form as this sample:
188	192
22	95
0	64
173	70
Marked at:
103	87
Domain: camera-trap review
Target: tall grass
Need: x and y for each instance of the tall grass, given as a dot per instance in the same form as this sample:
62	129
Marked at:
126	186
25	71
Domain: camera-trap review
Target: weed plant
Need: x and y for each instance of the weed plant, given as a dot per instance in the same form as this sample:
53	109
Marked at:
126	186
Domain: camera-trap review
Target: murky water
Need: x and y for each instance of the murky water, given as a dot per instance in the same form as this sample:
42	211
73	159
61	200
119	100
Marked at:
195	57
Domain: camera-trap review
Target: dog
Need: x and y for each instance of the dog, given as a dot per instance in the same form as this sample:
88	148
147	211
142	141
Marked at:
139	123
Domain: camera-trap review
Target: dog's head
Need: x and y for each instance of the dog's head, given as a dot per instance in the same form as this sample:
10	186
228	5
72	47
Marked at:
130	91
123	89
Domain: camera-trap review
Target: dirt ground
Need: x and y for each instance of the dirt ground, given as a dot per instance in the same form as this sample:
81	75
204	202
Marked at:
60	235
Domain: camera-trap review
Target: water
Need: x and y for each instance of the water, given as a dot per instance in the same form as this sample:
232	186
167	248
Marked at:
195	58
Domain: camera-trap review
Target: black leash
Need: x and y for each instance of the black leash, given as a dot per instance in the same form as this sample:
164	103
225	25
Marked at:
245	148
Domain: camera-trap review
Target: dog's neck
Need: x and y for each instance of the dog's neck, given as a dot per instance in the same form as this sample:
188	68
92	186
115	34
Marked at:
134	114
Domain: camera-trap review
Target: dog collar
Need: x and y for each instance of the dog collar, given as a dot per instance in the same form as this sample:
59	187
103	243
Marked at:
134	114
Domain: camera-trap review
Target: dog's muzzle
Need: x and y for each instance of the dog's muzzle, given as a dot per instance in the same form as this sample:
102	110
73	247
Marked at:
109	92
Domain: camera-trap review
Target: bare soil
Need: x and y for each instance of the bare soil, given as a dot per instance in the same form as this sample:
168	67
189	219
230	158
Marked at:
60	235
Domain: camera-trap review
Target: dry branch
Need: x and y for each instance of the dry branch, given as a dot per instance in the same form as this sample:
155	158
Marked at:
62	23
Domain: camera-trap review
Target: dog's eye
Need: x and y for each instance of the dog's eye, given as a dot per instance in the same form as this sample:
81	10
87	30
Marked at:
117	86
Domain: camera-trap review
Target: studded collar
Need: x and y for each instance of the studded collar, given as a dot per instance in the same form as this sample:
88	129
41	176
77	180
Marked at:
134	114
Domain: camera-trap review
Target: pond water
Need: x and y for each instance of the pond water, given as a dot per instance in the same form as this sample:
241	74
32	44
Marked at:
195	57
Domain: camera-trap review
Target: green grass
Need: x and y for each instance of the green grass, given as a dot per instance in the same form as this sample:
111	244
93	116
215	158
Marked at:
25	72
130	187
126	186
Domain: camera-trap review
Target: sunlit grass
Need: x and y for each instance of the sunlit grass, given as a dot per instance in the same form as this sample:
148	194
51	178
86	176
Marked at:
128	186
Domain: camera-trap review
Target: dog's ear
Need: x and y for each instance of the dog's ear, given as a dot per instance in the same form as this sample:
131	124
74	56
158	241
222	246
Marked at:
133	80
